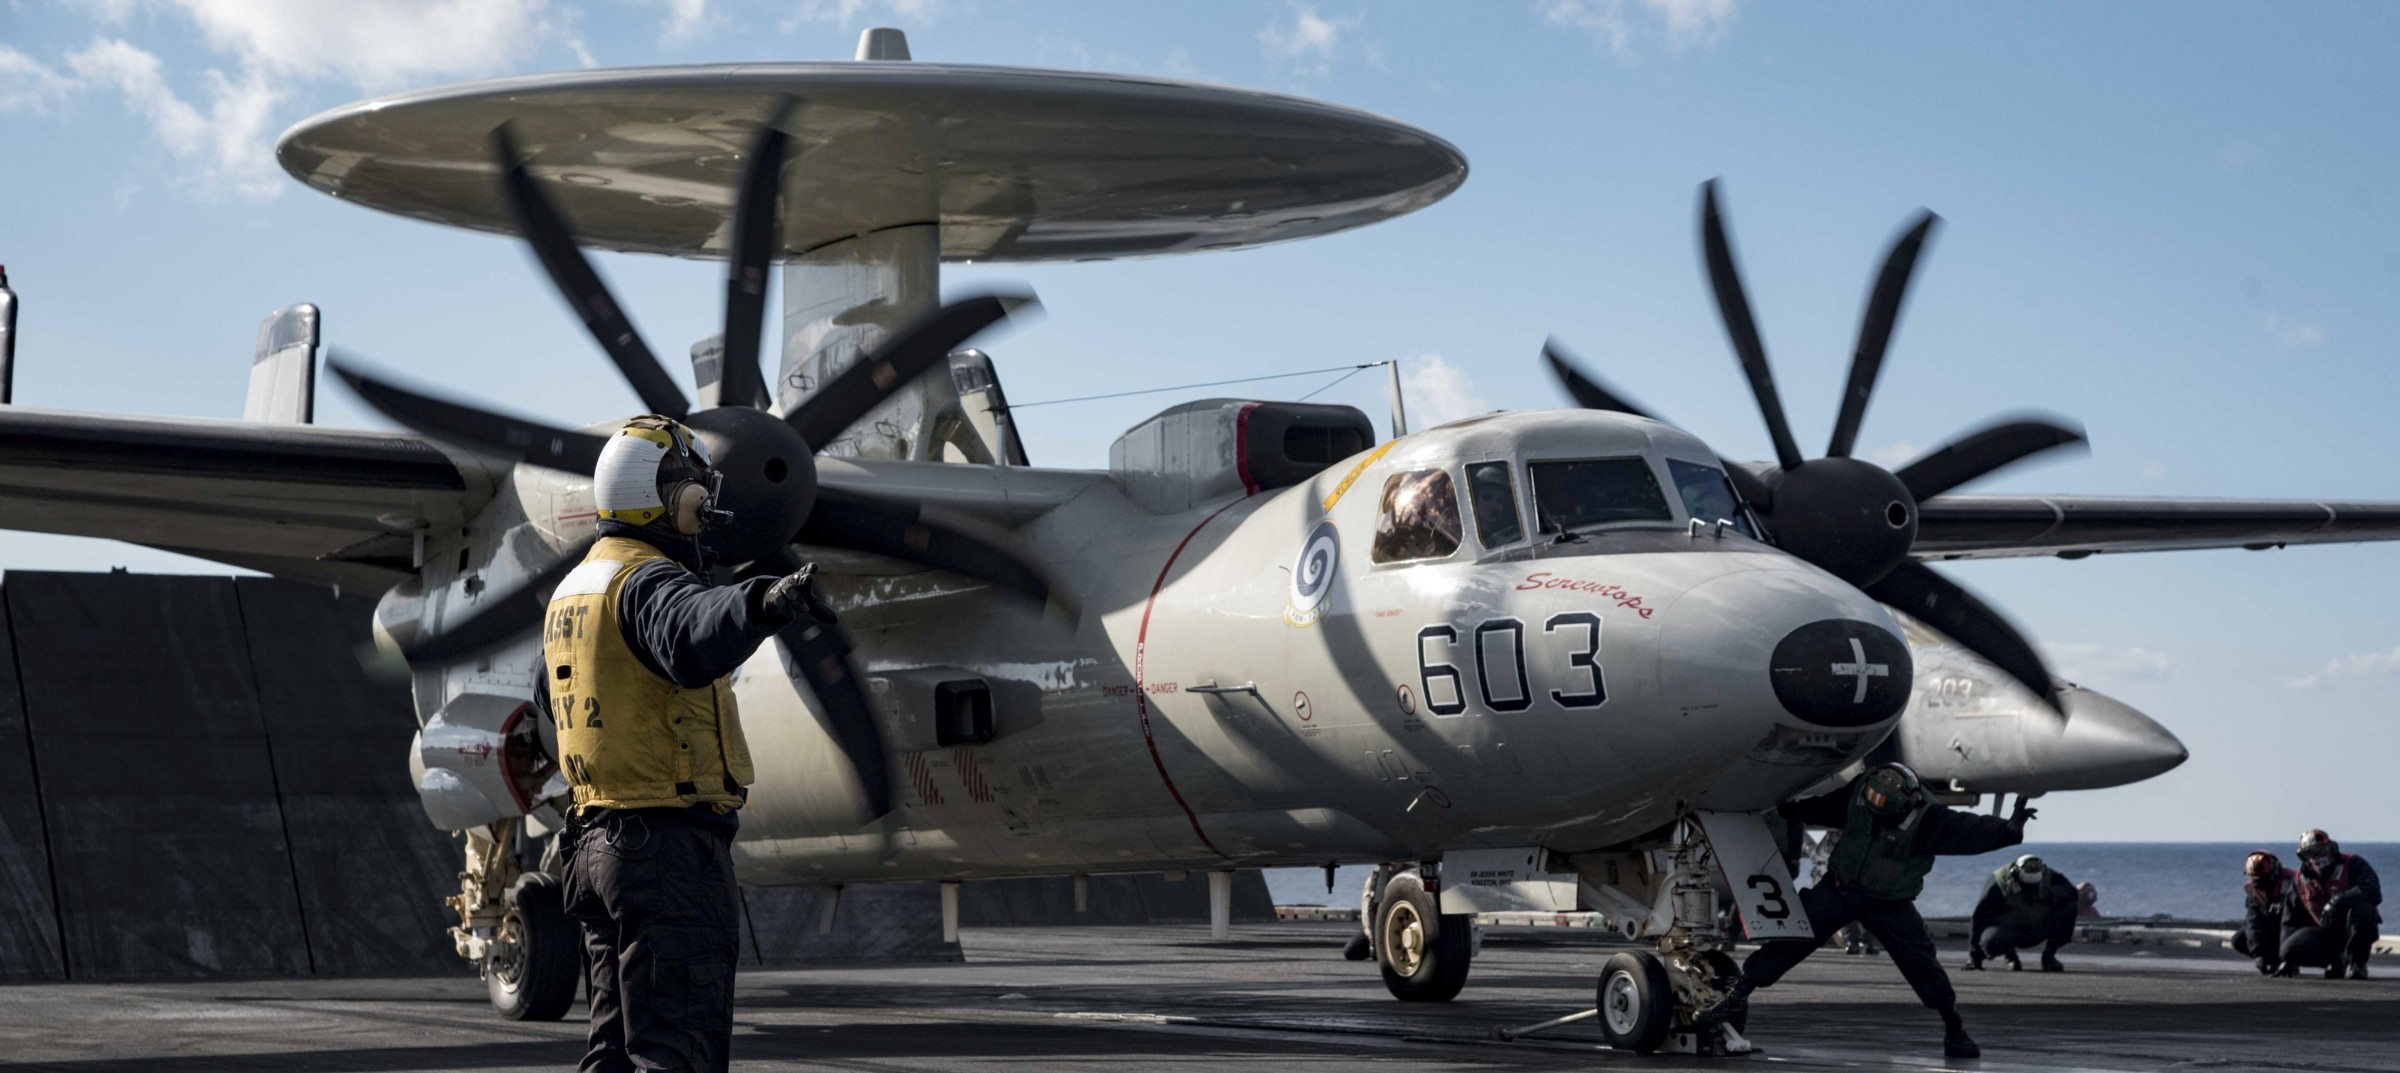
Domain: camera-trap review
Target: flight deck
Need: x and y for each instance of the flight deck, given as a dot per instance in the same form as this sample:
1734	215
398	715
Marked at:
1273	996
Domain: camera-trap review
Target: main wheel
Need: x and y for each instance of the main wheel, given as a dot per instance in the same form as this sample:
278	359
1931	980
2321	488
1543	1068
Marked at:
1637	1005
1423	954
537	956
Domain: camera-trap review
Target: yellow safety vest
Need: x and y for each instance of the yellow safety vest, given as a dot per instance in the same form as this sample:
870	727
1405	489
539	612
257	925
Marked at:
628	738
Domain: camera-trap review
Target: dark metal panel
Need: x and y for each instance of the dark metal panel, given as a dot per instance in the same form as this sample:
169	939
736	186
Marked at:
159	794
371	874
154	885
28	915
875	922
118	654
370	870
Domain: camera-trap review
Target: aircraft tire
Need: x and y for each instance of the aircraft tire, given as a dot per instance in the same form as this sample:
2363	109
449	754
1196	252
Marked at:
536	980
1422	953
1636	1002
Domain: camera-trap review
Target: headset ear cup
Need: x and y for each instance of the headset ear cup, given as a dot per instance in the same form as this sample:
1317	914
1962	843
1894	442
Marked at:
687	501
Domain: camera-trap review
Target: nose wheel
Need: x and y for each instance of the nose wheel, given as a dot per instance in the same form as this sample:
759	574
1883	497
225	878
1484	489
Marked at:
1636	1002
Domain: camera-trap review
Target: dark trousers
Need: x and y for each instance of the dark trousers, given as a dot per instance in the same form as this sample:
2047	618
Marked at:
1999	939
2346	938
661	928
1894	923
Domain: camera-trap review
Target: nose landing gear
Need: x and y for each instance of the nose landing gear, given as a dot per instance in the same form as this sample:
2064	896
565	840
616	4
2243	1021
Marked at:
1667	889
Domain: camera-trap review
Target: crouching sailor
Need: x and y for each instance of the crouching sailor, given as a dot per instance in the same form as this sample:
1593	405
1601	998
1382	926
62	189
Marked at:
2026	904
1891	831
637	651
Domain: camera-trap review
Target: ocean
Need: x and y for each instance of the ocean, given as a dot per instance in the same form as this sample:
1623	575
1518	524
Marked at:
2184	880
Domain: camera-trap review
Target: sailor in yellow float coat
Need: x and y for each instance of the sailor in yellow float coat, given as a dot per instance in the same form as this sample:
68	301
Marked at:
637	648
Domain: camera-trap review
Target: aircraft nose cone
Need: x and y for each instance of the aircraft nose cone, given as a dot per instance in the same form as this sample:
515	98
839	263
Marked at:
2104	742
1841	672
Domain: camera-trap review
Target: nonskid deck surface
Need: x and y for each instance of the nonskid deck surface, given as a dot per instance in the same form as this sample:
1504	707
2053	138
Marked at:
1272	997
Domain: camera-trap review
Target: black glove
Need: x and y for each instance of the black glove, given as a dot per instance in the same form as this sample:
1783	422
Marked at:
795	594
2267	966
2024	811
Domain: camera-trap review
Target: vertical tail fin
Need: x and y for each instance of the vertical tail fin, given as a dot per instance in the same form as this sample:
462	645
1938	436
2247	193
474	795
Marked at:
985	406
708	369
8	340
283	375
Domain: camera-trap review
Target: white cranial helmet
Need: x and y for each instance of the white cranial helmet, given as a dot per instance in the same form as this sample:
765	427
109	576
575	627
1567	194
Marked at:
645	467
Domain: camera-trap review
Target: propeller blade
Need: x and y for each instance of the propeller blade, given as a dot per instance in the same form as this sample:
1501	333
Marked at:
498	620
555	246
900	530
820	653
900	359
1915	589
749	261
499	434
1590	393
1734	307
1979	453
1875	331
1587	390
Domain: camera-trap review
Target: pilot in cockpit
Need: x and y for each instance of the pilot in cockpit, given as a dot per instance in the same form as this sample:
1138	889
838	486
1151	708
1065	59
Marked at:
1419	519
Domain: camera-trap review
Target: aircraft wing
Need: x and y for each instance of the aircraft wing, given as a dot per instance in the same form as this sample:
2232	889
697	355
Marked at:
2071	527
332	505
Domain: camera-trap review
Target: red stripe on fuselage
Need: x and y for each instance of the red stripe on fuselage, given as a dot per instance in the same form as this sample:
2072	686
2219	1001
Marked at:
1241	454
1141	689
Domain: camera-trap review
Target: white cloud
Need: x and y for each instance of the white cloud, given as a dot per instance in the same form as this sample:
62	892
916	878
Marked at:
29	85
223	120
372	44
1623	25
852	12
2291	334
2350	666
1437	392
688	20
1308	42
2104	663
230	139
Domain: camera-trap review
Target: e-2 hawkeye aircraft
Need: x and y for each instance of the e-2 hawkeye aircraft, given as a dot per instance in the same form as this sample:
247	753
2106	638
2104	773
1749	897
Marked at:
1545	658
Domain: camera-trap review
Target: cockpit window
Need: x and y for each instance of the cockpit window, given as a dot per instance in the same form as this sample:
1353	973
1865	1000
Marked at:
1496	520
1596	491
1419	519
1708	496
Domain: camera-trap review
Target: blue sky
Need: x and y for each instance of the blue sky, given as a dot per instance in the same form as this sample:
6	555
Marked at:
2174	224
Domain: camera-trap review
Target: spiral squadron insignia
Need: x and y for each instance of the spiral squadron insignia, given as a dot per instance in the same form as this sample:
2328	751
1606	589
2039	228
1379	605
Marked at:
1312	574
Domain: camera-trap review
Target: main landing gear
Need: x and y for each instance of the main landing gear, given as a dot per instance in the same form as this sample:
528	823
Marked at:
1423	953
513	924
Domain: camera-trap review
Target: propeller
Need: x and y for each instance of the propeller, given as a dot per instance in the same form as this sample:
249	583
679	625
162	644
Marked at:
767	461
1851	517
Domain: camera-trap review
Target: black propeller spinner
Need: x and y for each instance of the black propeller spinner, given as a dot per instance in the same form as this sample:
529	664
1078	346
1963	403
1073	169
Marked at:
1850	517
768	461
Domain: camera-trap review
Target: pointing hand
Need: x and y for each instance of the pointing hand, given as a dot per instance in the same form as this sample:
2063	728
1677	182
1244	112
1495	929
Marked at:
2024	811
795	594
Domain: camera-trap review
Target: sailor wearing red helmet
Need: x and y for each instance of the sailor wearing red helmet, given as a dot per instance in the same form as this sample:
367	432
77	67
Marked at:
2337	905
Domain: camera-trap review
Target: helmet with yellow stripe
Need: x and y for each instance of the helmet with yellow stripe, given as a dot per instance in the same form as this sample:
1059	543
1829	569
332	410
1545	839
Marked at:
655	473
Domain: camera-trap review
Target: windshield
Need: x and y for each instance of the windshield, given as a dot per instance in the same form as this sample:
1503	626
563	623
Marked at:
1495	504
1708	496
1596	491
